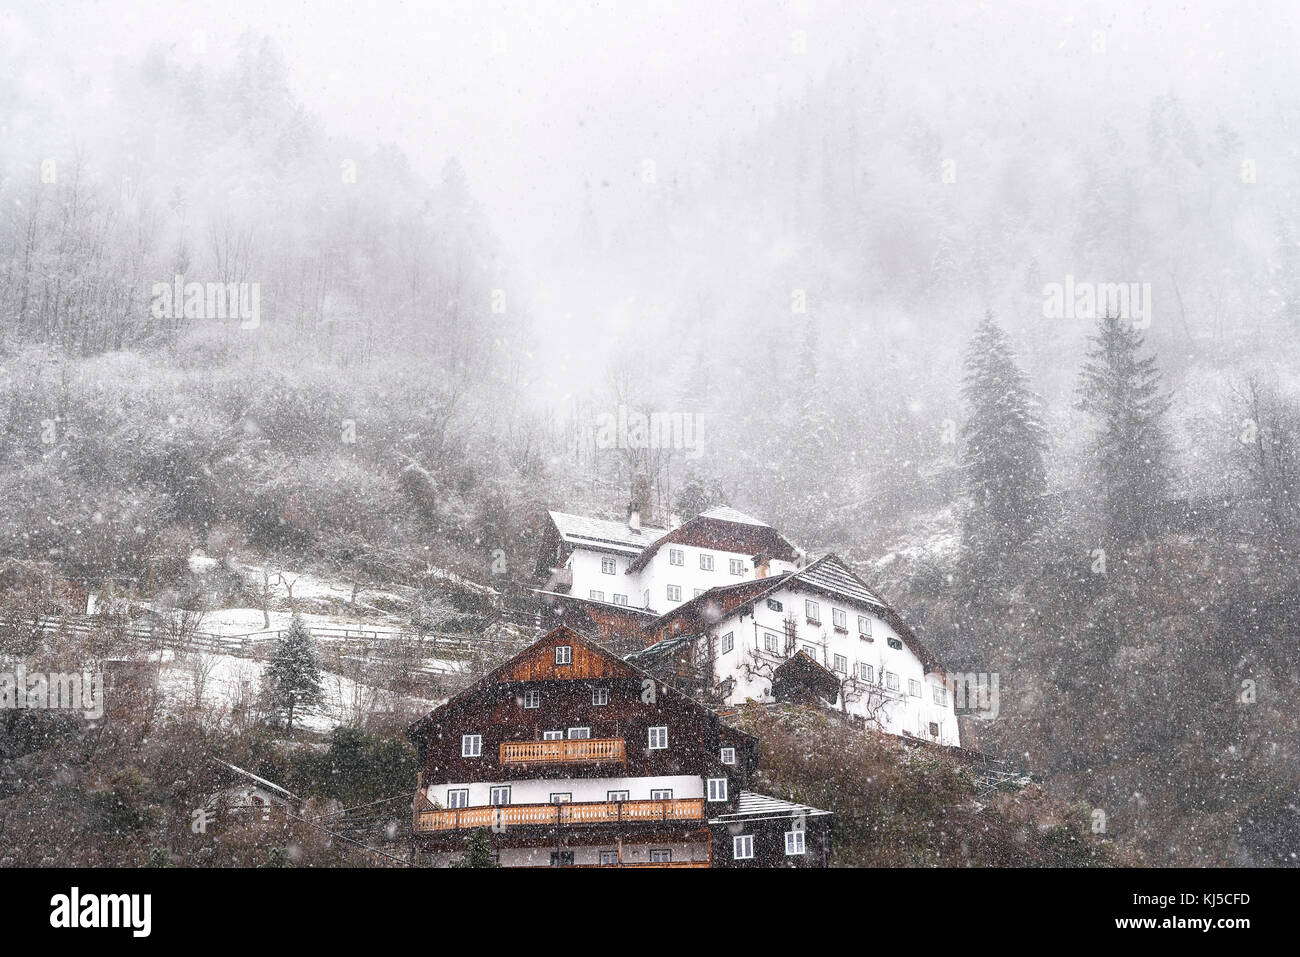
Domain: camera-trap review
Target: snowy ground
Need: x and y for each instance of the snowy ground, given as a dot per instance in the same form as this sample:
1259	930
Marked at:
231	681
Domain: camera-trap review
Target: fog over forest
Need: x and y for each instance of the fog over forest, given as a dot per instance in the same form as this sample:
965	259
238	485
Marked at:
868	256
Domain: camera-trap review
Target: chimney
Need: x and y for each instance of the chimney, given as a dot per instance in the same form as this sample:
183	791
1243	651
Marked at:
761	563
634	518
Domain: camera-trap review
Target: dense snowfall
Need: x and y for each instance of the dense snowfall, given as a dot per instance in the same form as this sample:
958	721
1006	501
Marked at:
828	242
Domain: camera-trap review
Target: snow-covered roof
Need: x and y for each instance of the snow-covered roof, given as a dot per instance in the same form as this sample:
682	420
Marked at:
259	781
831	574
603	533
724	513
754	806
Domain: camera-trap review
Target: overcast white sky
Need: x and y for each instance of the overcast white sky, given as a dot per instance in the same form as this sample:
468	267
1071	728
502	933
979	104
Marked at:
536	99
543	100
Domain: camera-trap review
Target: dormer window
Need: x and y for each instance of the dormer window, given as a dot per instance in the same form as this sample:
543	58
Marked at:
564	654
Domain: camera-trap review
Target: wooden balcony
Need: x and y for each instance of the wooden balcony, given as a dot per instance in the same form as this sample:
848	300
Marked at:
531	815
569	751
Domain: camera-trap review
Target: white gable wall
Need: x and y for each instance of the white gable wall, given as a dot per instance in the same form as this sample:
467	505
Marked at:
898	711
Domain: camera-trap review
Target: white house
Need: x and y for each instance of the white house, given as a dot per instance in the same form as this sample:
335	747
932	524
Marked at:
819	632
729	599
657	569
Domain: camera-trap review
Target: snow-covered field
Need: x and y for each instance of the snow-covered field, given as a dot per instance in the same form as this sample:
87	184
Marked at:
230	683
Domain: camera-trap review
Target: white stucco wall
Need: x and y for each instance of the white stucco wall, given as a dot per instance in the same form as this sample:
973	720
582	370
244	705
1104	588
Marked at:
539	791
900	711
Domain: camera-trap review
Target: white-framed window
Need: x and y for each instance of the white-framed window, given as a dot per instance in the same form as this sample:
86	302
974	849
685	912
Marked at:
533	699
661	794
620	599
676	556
457	797
579	734
839	619
769	642
941	696
706	562
658	738
608	566
609	857
717	789
737	566
660	855
841	664
564	654
914	687
742	847
813	612
614	797
891	681
728	756
471	745
810	651
728	641
865	672
794	843
600	696
499	796
864	626
596	595
674	592
552	735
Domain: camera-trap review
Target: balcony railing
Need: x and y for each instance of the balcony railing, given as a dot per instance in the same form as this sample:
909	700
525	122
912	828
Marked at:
568	751
596	812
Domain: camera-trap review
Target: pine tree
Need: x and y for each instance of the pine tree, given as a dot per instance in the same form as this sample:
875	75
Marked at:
478	852
1004	444
1121	389
293	676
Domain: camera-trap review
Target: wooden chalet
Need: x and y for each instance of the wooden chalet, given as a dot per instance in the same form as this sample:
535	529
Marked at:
567	755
